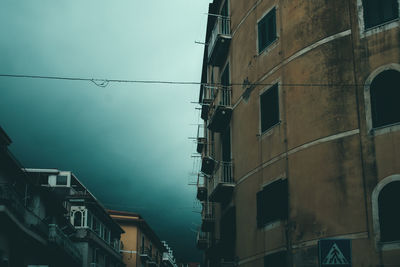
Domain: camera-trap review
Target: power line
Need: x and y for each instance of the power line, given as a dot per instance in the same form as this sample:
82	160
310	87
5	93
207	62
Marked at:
104	82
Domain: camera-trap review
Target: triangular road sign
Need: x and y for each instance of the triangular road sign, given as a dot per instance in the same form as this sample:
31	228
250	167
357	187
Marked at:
335	257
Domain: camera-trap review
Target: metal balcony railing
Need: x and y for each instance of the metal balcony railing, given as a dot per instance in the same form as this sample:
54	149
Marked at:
207	213
14	201
220	110
222	27
168	259
218	95
57	236
201	139
10	197
202	237
145	253
201	181
201	187
223	174
209	92
223	97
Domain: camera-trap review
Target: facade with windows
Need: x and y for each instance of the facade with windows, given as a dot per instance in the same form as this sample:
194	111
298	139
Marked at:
301	131
142	247
96	235
34	230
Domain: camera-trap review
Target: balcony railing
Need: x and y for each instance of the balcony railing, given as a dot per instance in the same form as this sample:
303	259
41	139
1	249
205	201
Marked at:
145	253
168	259
221	109
57	237
201	188
12	200
223	97
224	173
208	93
10	197
223	182
220	34
202	239
207	216
201	139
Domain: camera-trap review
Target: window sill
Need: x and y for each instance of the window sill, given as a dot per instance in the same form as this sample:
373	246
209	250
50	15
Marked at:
395	245
272	225
385	129
269	131
269	47
380	28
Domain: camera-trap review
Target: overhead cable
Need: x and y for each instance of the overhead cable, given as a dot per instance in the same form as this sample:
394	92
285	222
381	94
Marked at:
104	82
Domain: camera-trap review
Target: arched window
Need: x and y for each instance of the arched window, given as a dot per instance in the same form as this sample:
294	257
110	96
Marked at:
389	218
385	96
78	218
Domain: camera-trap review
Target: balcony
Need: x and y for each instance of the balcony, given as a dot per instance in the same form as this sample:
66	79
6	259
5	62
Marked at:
168	259
219	41
201	143
222	183
207	217
201	139
145	254
221	109
58	238
201	188
10	198
207	165
202	240
207	97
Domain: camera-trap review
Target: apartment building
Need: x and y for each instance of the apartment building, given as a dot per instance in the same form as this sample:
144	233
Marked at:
300	148
96	234
34	230
142	247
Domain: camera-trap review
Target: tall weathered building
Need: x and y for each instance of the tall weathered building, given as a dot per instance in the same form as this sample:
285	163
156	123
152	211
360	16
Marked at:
302	133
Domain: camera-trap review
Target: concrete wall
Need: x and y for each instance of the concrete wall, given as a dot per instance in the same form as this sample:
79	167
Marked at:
130	241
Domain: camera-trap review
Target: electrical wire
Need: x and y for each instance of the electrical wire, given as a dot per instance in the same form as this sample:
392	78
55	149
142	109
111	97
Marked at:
105	82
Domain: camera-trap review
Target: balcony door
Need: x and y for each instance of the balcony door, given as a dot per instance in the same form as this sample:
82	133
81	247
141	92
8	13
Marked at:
226	145
225	95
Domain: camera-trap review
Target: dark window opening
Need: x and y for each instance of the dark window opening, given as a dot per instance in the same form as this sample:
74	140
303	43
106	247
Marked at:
226	144
96	226
377	12
385	96
275	259
389	219
228	234
61	180
78	218
266	30
269	104
272	203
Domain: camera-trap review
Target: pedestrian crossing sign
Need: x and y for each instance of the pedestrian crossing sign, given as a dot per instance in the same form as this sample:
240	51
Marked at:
334	252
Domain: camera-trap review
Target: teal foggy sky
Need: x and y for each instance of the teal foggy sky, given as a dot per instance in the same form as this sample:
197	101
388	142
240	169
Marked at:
128	143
